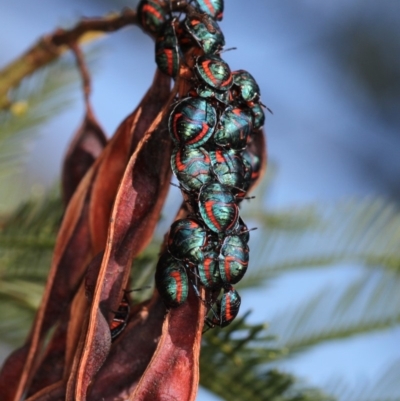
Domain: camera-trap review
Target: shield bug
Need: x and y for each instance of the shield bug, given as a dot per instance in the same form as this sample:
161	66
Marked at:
214	72
171	281
229	168
258	116
120	319
233	259
248	86
208	270
192	167
192	122
234	127
214	8
206	32
167	50
254	162
227	308
186	241
151	15
217	208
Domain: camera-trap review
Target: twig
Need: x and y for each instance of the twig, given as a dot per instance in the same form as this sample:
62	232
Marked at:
51	46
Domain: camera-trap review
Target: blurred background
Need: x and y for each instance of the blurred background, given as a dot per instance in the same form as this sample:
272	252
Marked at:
330	72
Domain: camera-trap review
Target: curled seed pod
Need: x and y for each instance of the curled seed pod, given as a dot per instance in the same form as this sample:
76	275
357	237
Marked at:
167	50
192	122
214	72
229	169
171	281
233	259
247	85
208	270
214	8
234	127
227	308
206	32
218	208
186	241
192	167
151	15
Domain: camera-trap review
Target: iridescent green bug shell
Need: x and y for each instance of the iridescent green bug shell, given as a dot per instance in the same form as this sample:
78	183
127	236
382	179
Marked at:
192	122
167	50
209	93
186	241
248	86
214	8
171	281
233	259
208	270
217	208
192	167
234	127
258	116
228	168
206	32
255	163
151	15
226	308
214	72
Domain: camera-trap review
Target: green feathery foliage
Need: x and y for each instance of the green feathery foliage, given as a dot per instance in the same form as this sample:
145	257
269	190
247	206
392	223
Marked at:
238	355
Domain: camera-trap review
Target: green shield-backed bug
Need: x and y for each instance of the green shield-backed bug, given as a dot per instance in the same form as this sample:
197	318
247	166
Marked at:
206	32
171	281
233	259
218	208
151	15
233	129
192	167
227	308
186	241
192	122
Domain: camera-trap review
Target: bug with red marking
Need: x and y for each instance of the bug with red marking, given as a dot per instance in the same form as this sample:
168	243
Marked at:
233	259
218	208
186	241
248	87
234	127
208	270
152	15
192	167
230	170
172	281
226	308
192	122
206	32
167	50
214	72
121	317
254	162
214	8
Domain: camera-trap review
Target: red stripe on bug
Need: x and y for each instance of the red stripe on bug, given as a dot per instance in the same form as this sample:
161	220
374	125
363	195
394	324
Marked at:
178	161
200	135
207	264
151	10
177	277
219	157
170	60
228	81
227	265
206	66
228	310
210	6
210	214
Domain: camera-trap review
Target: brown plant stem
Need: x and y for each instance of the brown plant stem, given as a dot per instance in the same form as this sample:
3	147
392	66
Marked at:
51	46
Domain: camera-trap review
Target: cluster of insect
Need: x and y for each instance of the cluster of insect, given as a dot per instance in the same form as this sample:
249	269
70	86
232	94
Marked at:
211	127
